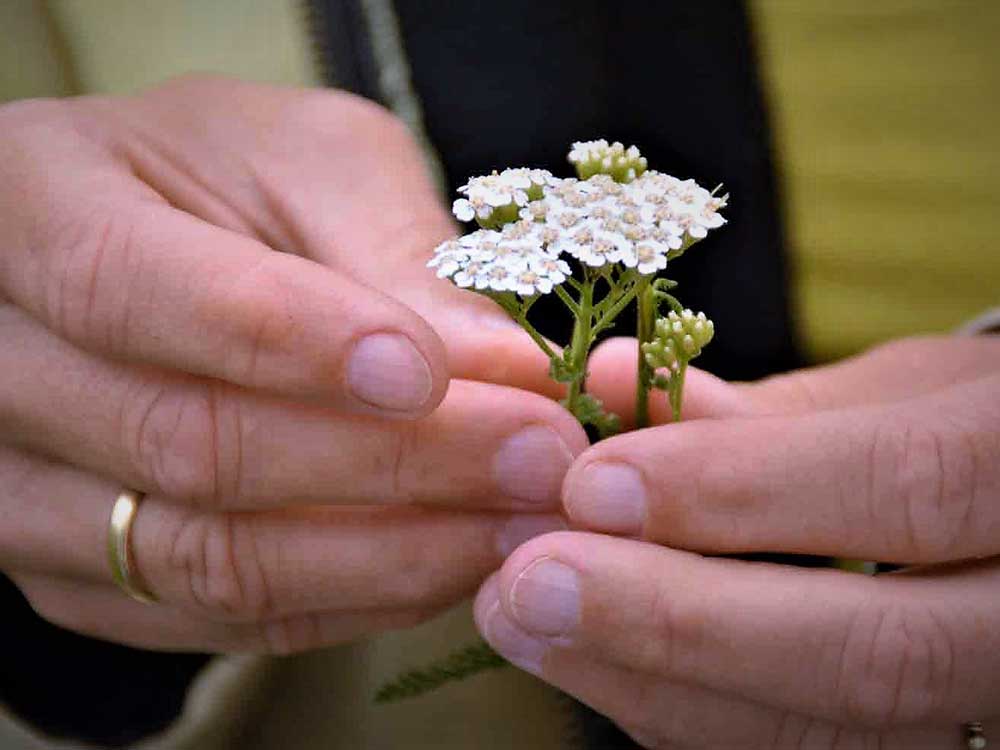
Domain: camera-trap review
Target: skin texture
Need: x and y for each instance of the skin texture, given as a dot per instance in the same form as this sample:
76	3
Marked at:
892	456
186	279
215	293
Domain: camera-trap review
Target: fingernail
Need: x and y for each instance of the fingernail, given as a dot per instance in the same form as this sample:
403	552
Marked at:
531	464
516	646
386	370
609	497
545	598
520	529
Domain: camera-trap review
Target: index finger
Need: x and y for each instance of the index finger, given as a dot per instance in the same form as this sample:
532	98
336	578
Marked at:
111	267
914	481
891	372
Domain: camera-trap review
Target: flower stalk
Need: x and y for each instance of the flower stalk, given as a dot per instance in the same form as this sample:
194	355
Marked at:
583	339
645	321
620	223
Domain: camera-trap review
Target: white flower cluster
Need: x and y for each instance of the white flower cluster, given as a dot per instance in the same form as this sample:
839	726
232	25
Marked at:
598	221
512	187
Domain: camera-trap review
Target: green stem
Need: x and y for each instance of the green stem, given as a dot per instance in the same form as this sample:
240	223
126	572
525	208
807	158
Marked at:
583	337
677	393
536	336
519	312
567	300
609	317
646	319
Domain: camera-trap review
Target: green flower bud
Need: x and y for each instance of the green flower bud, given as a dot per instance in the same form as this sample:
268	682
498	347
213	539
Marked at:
661	352
677	339
598	157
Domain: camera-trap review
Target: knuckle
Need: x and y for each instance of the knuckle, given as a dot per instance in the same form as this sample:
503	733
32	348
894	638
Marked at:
722	486
416	575
261	306
185	440
930	485
361	123
789	391
404	473
678	633
85	259
895	667
218	559
361	116
389	467
421	580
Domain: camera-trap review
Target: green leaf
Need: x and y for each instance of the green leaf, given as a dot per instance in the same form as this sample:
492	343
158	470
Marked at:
459	665
561	371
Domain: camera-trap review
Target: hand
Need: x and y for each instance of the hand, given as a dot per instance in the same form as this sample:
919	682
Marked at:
215	293
893	456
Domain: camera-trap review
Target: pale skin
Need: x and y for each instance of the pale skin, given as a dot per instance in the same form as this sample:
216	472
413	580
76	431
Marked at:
186	277
215	293
891	456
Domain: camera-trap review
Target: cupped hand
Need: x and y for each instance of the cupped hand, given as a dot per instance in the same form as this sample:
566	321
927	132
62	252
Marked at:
215	293
892	456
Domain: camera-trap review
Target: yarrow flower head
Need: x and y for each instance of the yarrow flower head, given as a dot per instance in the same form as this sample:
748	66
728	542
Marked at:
600	222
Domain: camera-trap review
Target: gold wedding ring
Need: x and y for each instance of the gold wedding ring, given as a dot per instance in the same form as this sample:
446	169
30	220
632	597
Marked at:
120	550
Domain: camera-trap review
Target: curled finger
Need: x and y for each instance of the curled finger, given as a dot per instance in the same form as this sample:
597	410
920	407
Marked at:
218	446
102	611
249	567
